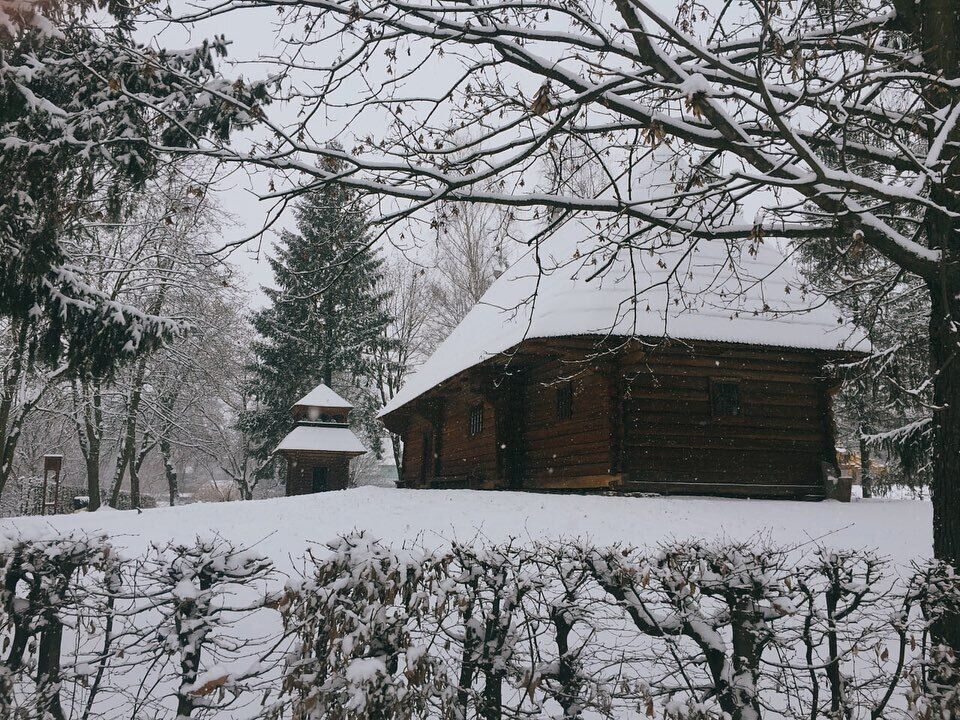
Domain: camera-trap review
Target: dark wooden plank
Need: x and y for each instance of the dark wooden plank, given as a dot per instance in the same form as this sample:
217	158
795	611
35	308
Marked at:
805	491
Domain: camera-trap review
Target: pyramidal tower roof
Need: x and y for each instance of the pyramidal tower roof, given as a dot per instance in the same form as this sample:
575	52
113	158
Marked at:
323	397
313	433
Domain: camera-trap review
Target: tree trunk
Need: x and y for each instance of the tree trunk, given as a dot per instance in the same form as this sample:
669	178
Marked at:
191	649
48	669
945	490
11	381
169	471
569	684
121	468
468	663
327	368
92	463
129	442
134	484
89	406
838	690
937	29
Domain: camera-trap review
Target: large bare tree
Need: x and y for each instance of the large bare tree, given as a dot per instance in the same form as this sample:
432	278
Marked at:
829	123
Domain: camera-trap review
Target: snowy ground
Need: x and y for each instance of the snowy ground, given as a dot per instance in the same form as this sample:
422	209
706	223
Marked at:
282	528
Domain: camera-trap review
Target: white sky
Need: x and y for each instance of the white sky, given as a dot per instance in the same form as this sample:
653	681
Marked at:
252	34
249	37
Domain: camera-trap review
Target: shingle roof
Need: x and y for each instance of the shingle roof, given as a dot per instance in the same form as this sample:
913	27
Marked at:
676	292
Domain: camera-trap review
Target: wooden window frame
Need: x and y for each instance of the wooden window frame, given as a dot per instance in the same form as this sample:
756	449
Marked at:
475	420
714	385
564	401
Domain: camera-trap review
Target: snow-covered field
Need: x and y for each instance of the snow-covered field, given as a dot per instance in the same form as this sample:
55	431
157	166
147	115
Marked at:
283	528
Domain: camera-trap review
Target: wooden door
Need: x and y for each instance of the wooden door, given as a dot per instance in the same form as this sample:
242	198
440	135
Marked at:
510	420
318	482
426	457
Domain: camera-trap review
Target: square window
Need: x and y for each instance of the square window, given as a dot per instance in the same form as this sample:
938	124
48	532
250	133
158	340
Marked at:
565	401
725	398
476	420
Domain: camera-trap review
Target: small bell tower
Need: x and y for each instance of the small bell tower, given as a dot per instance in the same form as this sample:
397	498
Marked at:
319	448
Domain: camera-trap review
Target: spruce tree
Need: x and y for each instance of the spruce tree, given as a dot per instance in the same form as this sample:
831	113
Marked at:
325	323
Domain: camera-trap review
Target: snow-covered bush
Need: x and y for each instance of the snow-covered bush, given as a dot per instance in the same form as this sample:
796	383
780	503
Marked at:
843	618
717	608
40	597
934	677
199	597
359	650
568	664
476	631
487	587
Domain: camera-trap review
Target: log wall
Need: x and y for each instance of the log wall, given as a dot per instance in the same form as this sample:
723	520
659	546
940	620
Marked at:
465	460
672	442
412	435
450	456
300	465
560	449
640	422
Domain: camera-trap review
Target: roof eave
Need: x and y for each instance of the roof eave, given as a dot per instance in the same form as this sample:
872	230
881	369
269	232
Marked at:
396	415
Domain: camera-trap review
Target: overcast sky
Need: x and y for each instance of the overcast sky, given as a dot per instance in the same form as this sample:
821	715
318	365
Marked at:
253	35
250	35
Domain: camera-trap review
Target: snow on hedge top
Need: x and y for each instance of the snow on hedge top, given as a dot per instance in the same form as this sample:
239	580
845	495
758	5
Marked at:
711	290
319	438
322	397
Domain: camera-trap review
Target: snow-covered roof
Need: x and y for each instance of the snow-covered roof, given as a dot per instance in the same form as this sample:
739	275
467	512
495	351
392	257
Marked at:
319	438
322	397
715	291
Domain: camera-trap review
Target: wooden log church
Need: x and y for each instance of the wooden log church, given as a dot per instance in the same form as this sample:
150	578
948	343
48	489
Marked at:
703	372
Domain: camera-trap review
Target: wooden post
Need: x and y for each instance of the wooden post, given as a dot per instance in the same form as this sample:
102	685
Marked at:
52	464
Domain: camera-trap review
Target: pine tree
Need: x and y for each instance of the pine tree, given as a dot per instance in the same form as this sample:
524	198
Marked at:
325	323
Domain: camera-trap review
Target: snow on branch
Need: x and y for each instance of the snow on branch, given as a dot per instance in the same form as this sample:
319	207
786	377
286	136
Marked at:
827	109
559	629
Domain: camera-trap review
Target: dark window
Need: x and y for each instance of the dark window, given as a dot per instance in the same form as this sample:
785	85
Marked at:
476	420
725	398
565	401
319	479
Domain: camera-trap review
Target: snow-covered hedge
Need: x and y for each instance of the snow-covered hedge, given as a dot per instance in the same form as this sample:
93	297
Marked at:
542	630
